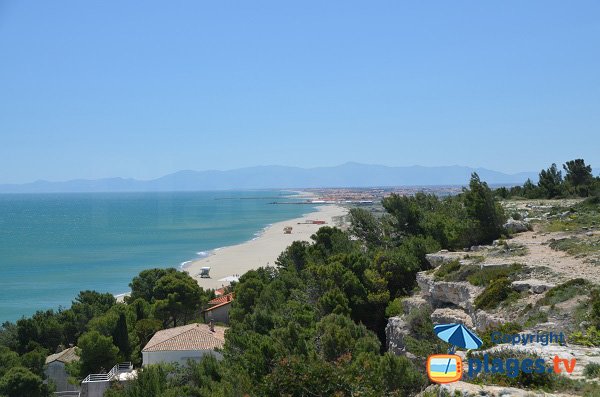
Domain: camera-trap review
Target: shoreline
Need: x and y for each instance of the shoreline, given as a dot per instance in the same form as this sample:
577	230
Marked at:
235	254
230	262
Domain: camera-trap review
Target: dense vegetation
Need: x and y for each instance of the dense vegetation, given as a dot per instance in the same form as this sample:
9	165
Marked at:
312	325
577	182
106	332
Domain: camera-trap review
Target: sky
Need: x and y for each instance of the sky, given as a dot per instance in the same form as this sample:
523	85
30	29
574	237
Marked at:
92	89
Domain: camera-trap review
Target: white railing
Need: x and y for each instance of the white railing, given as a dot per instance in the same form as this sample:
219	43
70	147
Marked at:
113	373
119	369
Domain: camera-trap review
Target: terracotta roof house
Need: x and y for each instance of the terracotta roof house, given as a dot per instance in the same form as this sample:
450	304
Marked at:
56	372
218	310
180	344
222	299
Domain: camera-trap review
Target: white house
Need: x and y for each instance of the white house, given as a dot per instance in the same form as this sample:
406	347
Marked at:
180	344
56	372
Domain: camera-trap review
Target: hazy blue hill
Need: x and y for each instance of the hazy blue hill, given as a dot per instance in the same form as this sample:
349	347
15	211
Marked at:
280	177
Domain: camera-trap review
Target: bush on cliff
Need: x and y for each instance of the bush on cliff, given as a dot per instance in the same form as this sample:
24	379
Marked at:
495	293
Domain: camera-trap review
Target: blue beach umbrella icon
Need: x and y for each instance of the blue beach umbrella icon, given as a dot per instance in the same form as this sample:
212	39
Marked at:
458	335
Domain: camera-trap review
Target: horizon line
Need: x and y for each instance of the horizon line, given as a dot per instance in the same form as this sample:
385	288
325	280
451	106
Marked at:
129	178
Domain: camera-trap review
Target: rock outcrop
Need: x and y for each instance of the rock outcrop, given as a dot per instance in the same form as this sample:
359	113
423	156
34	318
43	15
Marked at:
532	285
442	257
513	226
451	316
414	303
484	320
441	293
395	331
464	389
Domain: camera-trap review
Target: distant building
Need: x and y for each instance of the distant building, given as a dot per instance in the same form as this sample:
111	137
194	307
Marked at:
56	372
179	344
218	310
220	291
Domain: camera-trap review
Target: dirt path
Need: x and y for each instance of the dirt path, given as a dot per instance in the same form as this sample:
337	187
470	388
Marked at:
564	265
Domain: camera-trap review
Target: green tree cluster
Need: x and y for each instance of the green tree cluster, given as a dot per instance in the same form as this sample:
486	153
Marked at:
578	181
470	218
105	332
22	375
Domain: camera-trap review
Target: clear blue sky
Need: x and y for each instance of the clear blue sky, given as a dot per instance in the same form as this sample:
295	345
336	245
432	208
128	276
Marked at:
140	89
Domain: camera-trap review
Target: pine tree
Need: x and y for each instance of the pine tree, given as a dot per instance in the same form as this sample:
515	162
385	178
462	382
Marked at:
121	337
551	182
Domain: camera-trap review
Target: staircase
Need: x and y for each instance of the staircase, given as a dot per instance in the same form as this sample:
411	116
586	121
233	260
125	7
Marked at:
94	385
111	375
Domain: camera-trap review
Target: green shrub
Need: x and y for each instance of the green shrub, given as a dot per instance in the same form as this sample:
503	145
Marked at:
594	307
446	269
422	341
484	276
576	246
394	308
475	258
590	203
592	370
536	318
583	214
420	324
591	337
480	276
564	292
496	292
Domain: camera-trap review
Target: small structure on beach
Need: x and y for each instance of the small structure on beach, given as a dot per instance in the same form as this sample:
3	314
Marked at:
218	310
56	372
287	230
180	344
204	272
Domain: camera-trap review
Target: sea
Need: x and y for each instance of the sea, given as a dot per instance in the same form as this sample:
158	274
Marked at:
54	245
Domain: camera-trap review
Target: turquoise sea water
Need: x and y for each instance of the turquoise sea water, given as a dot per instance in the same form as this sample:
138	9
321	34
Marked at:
54	245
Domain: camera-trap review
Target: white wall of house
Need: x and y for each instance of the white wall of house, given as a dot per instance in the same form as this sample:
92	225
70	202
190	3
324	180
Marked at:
57	373
218	315
94	389
176	356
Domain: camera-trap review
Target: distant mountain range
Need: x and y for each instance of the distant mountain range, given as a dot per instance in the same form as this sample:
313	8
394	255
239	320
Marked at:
265	177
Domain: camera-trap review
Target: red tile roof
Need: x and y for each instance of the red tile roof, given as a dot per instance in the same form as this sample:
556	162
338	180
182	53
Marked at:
216	306
187	337
220	291
222	299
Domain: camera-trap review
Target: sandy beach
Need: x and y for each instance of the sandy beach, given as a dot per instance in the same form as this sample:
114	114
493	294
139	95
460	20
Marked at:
229	262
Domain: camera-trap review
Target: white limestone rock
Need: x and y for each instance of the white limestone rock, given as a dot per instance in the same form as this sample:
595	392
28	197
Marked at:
532	285
451	316
513	226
